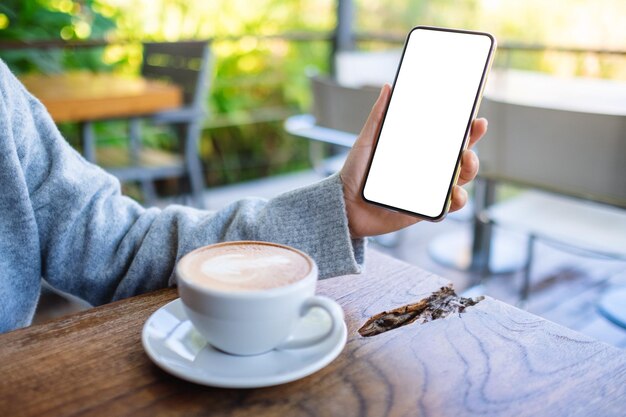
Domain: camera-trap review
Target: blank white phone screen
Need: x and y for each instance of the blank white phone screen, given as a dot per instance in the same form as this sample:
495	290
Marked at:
427	119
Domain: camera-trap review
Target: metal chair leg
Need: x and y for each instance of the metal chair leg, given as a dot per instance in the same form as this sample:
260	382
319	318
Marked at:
134	143
149	192
484	196
525	290
193	164
316	157
486	235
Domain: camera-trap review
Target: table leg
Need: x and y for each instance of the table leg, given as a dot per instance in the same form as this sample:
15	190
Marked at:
88	140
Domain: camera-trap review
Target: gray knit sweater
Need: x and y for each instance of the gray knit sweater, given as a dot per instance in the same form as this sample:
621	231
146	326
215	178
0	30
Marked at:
64	220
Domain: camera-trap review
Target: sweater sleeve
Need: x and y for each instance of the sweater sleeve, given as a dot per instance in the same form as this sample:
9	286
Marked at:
100	245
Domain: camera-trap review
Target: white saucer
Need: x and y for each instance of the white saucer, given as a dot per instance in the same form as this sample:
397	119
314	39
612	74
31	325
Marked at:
174	345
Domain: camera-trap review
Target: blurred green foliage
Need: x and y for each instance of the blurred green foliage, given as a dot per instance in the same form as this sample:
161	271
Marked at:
53	19
259	79
255	83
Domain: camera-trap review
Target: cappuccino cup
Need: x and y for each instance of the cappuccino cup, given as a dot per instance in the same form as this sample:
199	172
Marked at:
246	297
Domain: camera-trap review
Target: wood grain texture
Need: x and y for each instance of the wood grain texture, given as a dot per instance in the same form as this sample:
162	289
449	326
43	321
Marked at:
82	96
493	360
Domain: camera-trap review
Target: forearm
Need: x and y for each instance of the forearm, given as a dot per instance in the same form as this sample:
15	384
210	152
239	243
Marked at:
109	248
99	245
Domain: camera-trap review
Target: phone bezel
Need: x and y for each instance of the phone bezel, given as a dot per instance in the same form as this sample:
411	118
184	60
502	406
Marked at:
464	143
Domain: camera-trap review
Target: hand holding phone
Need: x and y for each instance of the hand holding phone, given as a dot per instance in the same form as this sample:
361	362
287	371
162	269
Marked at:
367	219
426	128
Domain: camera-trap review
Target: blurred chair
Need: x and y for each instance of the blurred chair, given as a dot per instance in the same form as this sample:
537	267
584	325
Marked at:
342	104
338	114
341	107
576	154
186	64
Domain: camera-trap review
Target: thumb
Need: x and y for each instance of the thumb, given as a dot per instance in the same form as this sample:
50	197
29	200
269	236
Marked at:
369	133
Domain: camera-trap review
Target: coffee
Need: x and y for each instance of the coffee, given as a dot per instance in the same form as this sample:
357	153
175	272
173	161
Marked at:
244	266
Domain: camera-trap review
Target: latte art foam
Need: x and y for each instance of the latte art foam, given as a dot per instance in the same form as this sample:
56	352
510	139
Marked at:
244	266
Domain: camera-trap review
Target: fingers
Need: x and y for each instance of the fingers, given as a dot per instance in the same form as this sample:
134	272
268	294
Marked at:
469	161
459	198
479	128
469	167
369	133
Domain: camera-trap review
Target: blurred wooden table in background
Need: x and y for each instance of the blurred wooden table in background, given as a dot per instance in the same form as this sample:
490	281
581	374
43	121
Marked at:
85	96
492	359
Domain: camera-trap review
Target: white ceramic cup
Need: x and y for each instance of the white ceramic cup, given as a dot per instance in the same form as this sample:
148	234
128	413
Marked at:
252	322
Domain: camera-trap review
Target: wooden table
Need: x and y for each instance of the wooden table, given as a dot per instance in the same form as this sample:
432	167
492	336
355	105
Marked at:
85	96
493	359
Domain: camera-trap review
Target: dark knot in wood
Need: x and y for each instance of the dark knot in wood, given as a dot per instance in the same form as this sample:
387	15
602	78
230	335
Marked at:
438	305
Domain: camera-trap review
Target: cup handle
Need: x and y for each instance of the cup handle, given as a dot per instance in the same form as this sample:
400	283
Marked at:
336	317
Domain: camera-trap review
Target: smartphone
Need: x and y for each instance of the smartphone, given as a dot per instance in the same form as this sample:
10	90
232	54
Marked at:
434	99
